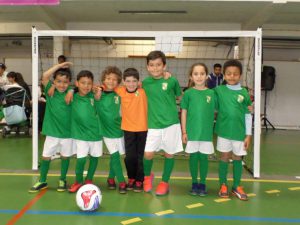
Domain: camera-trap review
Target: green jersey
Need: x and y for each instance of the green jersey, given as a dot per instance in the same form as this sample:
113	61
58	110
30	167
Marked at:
161	94
108	108
85	122
57	120
200	106
232	107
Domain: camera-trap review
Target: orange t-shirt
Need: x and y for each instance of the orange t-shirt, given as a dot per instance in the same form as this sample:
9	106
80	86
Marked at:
134	109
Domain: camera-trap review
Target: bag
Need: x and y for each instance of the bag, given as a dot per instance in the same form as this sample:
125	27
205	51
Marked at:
14	114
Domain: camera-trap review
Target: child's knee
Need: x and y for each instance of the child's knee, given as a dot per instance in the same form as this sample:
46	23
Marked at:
148	155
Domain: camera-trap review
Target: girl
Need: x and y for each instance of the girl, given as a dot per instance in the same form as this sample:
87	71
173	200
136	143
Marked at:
197	121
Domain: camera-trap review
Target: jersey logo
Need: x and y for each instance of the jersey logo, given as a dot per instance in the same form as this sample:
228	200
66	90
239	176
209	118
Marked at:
240	98
208	99
137	93
164	86
116	99
92	101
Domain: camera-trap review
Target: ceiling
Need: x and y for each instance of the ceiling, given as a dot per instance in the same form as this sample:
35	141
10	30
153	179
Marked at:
249	14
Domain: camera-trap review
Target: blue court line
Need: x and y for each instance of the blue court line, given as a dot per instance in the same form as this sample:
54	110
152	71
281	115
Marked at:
148	215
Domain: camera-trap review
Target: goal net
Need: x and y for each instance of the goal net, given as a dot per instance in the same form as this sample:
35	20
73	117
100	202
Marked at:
94	50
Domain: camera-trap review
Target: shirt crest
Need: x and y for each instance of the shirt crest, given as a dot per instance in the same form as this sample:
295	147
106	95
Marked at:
240	98
164	86
208	99
92	101
117	100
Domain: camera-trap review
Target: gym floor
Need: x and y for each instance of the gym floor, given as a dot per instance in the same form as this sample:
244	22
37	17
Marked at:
273	199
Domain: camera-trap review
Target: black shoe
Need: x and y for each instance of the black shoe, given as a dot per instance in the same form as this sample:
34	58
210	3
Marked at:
122	188
111	184
37	187
138	186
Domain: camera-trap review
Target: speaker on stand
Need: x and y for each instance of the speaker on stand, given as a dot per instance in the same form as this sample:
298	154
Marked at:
267	84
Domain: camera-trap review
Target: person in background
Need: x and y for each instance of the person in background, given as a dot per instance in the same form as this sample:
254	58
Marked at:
216	78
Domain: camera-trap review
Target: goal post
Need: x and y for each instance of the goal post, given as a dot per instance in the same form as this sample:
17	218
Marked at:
191	40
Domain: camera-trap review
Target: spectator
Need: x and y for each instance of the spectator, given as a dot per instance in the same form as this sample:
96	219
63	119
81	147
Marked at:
216	78
3	78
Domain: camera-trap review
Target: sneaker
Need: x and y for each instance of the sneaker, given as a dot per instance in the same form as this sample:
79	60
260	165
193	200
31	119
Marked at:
111	184
148	182
223	193
37	187
202	190
138	186
162	188
239	192
122	188
62	186
74	187
88	182
195	189
130	184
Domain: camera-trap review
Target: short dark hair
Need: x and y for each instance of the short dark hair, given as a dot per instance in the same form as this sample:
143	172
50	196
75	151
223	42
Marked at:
62	57
111	69
131	72
2	65
12	74
157	55
63	72
217	65
85	73
233	62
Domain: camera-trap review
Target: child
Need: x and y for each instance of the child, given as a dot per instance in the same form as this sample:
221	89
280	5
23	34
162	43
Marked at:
85	129
134	124
108	108
197	121
164	129
233	136
56	126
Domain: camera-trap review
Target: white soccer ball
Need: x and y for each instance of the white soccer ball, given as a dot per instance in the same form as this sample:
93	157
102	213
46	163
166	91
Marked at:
88	197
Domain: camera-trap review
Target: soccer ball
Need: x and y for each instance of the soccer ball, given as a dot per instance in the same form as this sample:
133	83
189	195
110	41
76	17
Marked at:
88	197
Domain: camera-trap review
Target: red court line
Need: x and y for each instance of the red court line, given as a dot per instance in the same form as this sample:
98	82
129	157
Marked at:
25	208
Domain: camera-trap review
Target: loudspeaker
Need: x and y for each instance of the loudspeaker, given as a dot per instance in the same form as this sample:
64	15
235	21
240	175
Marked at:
268	78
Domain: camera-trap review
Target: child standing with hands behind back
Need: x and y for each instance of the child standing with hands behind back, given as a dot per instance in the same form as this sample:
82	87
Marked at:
197	122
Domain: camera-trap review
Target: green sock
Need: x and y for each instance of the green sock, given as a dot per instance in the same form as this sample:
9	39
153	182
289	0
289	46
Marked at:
44	170
223	168
116	164
64	168
193	163
111	174
92	168
80	163
148	166
168	167
237	172
203	167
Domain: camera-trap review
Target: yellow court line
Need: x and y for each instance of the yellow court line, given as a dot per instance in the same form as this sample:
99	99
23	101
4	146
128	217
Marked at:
134	220
272	191
159	177
251	194
161	213
222	200
194	205
294	188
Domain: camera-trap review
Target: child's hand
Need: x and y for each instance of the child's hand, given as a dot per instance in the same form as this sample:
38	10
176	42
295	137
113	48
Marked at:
69	96
247	142
184	138
51	91
250	108
65	65
97	92
167	75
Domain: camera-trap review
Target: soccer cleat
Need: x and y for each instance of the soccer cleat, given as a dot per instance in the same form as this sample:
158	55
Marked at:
138	186
202	190
122	188
195	189
130	184
162	188
148	182
111	184
37	187
62	186
223	193
88	182
239	192
74	187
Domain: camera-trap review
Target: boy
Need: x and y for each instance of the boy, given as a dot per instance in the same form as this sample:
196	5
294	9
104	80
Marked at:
134	124
56	125
233	136
108	108
164	129
216	78
85	129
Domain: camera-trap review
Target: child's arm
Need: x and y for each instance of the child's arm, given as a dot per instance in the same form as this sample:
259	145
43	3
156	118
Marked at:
97	92
248	121
47	75
183	126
